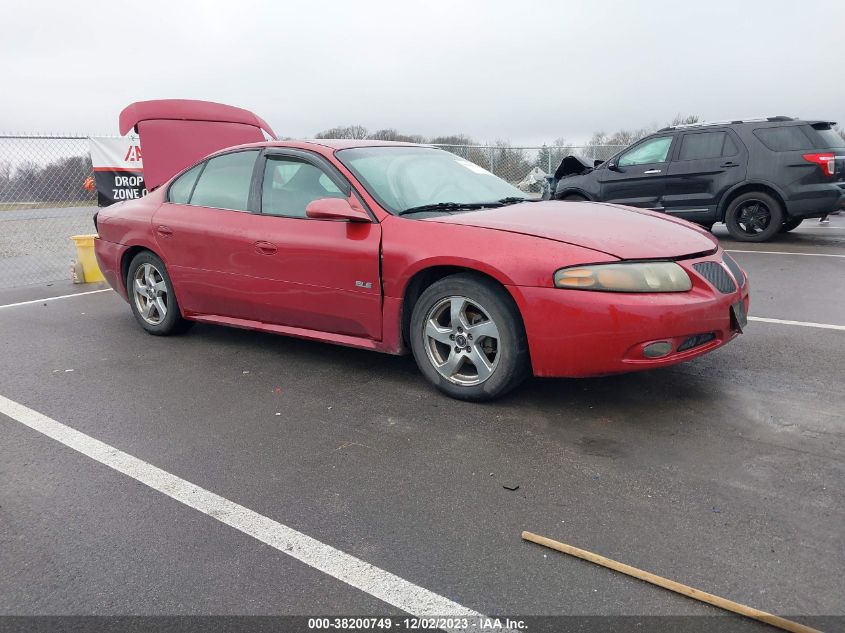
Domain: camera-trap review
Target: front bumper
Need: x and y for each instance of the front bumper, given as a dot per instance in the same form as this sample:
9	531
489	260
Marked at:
577	333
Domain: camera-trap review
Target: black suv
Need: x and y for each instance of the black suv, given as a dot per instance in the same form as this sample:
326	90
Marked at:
758	176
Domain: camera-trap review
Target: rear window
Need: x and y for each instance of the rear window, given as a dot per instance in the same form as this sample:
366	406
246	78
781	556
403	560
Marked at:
706	145
225	182
180	190
828	138
785	138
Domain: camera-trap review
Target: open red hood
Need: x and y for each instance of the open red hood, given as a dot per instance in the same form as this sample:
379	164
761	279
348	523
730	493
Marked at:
176	133
623	232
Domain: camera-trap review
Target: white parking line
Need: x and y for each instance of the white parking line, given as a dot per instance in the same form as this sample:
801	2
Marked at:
360	574
76	294
785	253
824	326
822	228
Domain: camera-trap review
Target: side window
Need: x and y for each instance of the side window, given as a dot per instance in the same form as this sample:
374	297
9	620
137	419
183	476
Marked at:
291	184
706	145
784	138
652	151
181	188
225	182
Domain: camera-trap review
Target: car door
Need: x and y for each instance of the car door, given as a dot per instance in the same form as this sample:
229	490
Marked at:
318	274
705	165
637	177
202	230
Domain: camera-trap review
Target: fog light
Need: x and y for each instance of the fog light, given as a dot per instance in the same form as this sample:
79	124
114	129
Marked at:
657	350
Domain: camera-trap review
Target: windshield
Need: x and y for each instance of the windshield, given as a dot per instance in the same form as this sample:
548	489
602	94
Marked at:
402	178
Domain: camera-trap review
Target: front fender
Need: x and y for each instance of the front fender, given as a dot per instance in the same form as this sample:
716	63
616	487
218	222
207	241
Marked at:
573	191
512	259
580	184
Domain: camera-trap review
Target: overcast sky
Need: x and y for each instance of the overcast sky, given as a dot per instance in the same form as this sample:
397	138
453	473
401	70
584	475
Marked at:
524	70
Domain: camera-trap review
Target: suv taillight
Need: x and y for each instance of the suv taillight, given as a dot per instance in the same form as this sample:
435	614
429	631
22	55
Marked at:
826	161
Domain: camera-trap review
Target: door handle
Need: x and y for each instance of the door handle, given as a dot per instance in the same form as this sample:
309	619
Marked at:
652	171
730	164
164	231
265	248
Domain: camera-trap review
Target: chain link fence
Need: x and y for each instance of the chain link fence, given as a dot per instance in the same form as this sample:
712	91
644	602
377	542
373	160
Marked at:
43	202
43	198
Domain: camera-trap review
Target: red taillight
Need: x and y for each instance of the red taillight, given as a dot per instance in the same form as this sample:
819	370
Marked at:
826	161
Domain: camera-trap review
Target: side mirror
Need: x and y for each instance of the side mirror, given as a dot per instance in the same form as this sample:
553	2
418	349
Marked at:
335	209
612	166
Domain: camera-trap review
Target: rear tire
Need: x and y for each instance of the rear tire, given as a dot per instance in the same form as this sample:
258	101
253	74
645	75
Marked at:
468	338
791	224
151	296
754	217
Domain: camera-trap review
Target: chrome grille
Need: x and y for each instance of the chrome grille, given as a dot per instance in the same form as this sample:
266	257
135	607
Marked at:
716	275
730	262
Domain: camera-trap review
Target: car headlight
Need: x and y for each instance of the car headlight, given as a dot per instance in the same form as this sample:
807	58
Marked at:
625	277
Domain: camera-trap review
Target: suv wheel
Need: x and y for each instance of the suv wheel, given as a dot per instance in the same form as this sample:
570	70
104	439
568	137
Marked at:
468	339
754	217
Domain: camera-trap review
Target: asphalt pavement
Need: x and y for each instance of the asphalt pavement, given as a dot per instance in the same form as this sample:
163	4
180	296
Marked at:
726	473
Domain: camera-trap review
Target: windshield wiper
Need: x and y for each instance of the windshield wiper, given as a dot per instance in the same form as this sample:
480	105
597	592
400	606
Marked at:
448	206
451	206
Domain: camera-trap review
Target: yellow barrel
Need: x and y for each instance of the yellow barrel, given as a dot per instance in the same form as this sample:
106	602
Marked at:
86	258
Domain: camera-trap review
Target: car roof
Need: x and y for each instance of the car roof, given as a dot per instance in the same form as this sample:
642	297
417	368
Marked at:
344	143
321	145
771	121
335	143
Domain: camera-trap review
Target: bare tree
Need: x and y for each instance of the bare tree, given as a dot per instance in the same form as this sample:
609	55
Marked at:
598	138
685	120
344	131
453	139
466	148
508	162
626	137
390	134
60	180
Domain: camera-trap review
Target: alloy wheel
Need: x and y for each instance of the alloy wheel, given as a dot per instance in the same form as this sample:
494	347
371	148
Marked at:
461	340
150	291
753	217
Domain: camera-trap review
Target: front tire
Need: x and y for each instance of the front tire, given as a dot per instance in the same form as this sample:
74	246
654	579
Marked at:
468	339
573	197
151	296
754	217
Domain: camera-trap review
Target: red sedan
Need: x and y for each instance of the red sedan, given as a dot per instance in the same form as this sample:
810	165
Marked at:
397	247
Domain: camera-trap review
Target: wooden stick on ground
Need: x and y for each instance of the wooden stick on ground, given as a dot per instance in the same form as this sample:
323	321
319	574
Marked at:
671	585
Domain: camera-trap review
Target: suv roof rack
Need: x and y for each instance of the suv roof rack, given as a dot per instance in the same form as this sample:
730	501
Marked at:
684	126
